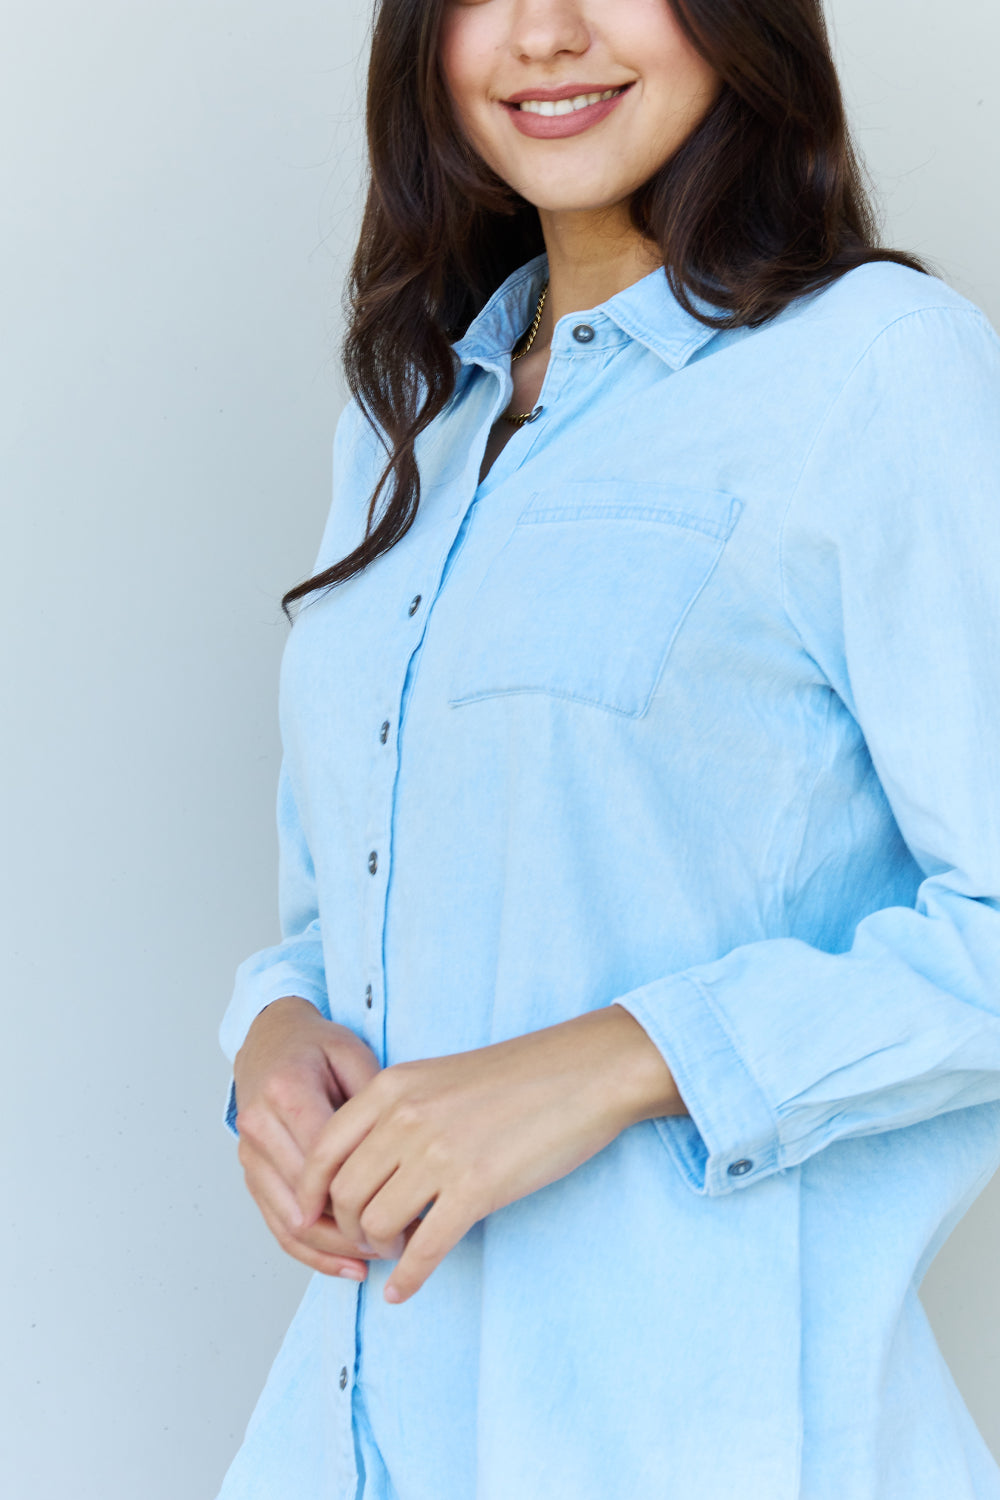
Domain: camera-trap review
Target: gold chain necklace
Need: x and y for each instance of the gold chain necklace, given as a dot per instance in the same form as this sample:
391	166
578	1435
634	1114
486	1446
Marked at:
519	418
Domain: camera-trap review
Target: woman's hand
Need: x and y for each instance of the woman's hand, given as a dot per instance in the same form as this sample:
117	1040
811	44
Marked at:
471	1132
293	1071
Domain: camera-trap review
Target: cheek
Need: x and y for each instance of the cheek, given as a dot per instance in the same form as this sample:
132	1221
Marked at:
465	51
680	91
663	56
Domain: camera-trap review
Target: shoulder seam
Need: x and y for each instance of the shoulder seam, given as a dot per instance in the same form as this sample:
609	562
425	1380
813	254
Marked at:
914	312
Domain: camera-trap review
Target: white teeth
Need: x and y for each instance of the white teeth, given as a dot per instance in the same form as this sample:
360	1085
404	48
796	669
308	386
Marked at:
565	106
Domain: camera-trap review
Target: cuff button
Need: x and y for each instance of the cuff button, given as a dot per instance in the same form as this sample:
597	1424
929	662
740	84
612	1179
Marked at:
737	1168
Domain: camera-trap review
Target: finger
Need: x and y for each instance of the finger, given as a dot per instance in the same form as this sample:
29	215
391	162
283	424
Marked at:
318	1260
392	1210
338	1138
265	1135
354	1187
439	1230
278	1204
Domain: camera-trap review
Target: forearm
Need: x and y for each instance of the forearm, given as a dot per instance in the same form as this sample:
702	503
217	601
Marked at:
629	1068
469	1132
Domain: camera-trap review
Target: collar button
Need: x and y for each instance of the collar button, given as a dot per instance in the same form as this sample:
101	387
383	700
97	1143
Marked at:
583	333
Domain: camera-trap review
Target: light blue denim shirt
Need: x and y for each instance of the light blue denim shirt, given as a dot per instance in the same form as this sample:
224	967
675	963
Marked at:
692	705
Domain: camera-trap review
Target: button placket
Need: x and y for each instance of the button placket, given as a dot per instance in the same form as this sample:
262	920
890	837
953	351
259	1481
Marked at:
383	736
377	833
379	828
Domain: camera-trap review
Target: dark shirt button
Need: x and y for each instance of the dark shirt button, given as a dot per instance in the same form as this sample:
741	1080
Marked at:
737	1168
368	996
383	733
372	862
415	604
583	333
343	1376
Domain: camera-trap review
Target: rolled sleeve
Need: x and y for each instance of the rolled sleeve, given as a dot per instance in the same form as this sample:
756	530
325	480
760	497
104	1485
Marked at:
729	1138
295	965
890	561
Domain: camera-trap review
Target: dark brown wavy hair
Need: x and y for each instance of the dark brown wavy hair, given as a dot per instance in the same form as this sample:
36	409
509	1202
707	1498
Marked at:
766	199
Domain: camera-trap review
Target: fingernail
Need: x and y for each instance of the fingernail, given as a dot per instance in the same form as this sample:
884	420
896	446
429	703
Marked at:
391	1294
364	1245
353	1273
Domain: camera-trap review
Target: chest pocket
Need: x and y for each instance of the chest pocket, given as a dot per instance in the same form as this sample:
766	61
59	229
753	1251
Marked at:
587	595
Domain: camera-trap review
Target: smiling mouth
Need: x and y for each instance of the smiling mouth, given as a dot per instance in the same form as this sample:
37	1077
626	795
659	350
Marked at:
567	106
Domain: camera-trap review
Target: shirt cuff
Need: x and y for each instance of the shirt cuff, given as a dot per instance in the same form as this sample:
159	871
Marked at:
729	1138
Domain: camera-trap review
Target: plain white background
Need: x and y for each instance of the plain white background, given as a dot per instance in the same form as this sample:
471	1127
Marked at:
180	187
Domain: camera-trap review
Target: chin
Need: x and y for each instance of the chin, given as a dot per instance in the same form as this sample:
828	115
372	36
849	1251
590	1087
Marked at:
563	197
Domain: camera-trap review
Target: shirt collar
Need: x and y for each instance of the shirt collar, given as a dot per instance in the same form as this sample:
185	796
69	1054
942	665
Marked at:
646	311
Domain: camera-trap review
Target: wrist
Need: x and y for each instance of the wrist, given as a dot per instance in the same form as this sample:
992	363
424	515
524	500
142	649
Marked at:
274	1020
643	1085
288	1005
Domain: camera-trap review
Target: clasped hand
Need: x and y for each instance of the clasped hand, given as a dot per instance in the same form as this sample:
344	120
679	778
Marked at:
350	1162
427	1148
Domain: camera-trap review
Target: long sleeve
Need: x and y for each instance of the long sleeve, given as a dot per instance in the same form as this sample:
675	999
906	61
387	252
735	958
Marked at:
294	966
890	567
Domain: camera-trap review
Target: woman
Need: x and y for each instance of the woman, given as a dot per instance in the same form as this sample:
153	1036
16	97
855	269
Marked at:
633	1042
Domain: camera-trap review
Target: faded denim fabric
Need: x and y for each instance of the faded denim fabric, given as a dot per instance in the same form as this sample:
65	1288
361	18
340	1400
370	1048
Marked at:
693	706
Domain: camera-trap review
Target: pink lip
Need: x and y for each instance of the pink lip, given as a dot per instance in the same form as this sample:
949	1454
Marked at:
564	91
556	127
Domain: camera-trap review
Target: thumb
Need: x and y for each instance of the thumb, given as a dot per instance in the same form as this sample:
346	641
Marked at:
352	1062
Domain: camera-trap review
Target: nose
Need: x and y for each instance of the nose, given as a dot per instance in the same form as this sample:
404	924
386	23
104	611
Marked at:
543	29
